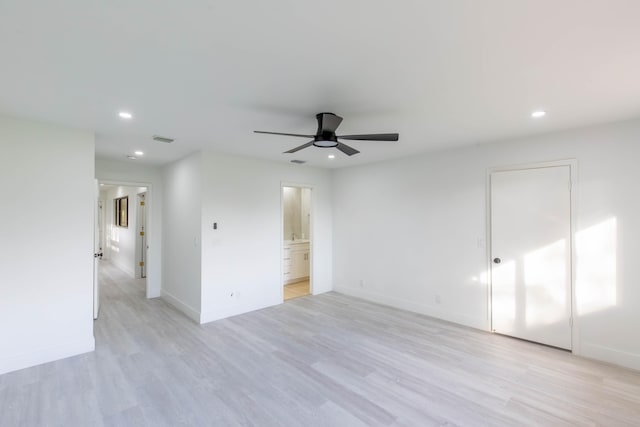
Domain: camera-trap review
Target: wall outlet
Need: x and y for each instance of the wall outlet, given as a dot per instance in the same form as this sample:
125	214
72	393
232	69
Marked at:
438	300
361	283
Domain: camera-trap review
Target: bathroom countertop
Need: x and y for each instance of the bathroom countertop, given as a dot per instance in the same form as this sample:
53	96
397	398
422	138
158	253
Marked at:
296	242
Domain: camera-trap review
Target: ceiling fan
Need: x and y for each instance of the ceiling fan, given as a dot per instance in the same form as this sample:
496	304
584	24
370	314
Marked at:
326	137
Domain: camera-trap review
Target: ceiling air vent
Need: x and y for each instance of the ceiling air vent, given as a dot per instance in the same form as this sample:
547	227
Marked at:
162	139
298	162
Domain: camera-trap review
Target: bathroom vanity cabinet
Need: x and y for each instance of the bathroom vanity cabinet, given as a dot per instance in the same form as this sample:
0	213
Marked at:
295	261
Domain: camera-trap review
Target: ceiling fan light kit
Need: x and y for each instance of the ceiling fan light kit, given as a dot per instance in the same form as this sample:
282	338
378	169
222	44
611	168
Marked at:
326	137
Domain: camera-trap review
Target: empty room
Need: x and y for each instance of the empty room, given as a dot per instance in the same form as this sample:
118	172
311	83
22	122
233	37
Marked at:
348	213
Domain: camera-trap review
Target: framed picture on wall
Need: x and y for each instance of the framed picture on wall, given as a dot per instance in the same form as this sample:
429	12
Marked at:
122	211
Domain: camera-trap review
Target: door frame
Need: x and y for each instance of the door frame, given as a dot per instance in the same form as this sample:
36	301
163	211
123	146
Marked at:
141	244
151	279
573	195
311	232
97	246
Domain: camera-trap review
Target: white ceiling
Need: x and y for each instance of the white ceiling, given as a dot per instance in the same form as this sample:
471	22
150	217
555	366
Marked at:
441	73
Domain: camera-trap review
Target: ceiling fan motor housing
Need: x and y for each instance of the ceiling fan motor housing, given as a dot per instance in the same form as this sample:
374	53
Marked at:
326	138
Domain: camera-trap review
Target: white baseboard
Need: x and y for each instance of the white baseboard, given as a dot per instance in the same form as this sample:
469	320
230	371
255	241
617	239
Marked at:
587	350
607	354
427	310
38	356
235	307
213	316
189	311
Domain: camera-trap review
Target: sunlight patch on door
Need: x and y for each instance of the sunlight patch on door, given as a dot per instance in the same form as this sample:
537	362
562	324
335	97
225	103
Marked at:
545	275
504	305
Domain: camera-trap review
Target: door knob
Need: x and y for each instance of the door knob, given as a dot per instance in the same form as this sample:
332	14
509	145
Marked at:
497	260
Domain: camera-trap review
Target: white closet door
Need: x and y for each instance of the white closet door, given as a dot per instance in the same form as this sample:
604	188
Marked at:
531	254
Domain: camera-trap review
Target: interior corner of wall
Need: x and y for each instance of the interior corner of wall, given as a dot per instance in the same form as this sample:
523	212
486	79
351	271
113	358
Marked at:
181	306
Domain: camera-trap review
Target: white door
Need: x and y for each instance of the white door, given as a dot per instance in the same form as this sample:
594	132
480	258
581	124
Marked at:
531	254
96	250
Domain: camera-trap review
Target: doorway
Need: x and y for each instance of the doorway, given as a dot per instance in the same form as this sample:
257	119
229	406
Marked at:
297	242
531	254
123	233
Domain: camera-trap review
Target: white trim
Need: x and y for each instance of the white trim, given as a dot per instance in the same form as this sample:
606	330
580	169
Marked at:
409	305
97	246
573	202
232	310
185	308
139	247
610	355
487	245
42	355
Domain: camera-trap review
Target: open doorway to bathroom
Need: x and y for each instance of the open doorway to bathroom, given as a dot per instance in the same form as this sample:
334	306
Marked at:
297	241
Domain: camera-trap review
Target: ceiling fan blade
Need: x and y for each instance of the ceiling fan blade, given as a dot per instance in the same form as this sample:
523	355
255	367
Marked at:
293	150
285	134
372	137
349	151
328	122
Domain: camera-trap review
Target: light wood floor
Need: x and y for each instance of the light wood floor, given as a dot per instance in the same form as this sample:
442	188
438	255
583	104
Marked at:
326	360
295	290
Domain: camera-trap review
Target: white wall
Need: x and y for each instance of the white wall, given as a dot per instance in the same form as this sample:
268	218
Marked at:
182	209
120	242
242	260
136	173
305	212
46	243
413	230
291	212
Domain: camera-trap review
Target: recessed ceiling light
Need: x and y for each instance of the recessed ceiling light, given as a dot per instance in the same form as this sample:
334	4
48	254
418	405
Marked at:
131	157
138	153
331	156
125	115
539	113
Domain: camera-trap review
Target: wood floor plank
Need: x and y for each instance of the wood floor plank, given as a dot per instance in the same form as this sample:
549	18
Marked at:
296	290
326	360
